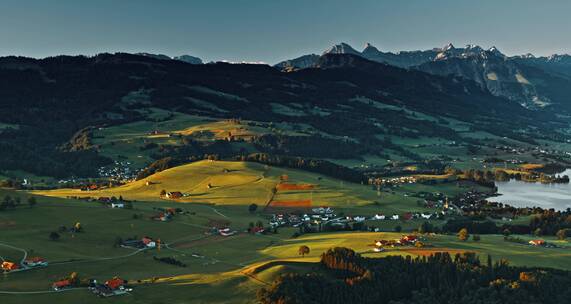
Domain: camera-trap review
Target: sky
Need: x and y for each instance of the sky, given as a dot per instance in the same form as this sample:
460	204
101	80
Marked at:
272	30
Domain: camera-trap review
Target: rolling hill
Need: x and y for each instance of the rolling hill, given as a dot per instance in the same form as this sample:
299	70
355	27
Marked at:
357	103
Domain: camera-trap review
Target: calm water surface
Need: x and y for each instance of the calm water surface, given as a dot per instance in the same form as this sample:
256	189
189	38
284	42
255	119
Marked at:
522	194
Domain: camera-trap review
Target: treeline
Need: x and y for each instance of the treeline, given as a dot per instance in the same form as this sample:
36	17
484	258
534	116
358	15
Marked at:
313	146
548	222
158	166
484	227
168	156
485	178
312	165
345	277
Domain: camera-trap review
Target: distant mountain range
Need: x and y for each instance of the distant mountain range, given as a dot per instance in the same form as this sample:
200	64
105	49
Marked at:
534	82
183	58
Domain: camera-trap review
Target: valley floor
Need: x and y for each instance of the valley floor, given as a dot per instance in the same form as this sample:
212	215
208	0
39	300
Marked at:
218	269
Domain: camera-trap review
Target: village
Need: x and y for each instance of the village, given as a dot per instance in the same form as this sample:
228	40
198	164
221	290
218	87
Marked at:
325	219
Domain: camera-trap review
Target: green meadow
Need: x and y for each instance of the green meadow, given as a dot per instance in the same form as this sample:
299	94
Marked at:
218	269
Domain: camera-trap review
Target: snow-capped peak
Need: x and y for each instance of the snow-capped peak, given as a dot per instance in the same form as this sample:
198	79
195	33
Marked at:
342	48
448	47
494	50
474	48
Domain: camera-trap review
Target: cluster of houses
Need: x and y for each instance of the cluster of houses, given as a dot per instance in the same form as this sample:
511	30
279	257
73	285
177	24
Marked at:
407	240
326	215
120	170
111	202
318	216
392	180
406	216
114	287
28	263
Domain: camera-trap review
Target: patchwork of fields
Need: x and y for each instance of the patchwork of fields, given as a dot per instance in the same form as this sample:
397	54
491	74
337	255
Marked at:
215	193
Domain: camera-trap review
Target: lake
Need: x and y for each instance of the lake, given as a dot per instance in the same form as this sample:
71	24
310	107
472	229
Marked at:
522	194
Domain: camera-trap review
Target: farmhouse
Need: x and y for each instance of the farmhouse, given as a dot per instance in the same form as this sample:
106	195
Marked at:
173	195
104	199
9	266
115	283
118	205
257	230
537	242
426	216
148	242
163	217
409	239
35	262
113	287
91	187
407	216
59	285
227	232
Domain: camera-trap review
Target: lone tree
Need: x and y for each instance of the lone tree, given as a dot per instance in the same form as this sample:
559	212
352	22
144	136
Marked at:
54	236
463	234
303	250
562	234
32	201
252	208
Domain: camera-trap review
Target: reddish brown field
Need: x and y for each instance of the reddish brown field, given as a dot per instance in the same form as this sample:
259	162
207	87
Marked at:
295	186
290	204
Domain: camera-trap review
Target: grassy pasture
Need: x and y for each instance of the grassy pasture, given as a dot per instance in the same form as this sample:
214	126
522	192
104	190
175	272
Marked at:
219	269
124	141
226	268
244	183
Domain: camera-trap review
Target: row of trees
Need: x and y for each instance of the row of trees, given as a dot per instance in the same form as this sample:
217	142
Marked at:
11	203
345	277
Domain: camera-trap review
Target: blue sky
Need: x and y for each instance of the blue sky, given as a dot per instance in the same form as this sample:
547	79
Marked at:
271	30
